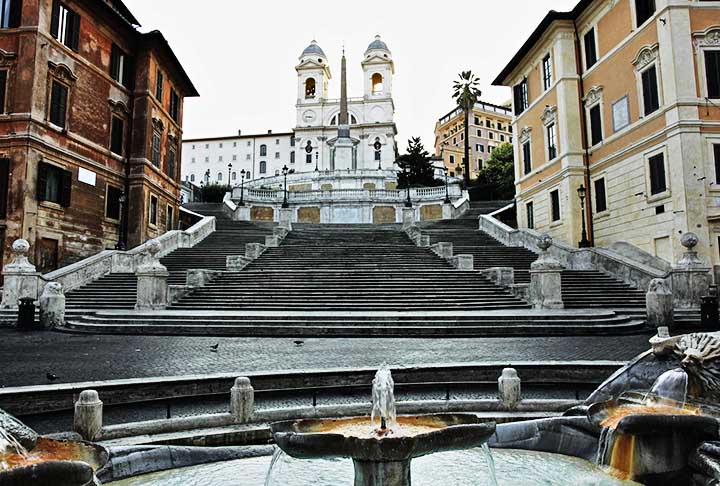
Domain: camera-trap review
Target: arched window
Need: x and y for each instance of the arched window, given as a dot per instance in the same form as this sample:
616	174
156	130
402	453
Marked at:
277	172
234	176
353	120
192	177
310	88
377	84
263	167
334	120
219	176
263	150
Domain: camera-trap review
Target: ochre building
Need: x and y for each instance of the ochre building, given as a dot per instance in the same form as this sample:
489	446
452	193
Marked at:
623	98
90	129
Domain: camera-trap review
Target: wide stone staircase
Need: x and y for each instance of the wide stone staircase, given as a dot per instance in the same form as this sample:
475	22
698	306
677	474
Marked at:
119	290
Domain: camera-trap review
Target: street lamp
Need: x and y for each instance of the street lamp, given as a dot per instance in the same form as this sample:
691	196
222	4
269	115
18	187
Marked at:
447	191
207	177
378	146
408	203
229	171
242	186
582	192
285	172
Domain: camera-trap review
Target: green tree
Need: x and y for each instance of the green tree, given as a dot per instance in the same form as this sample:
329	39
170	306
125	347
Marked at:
466	93
213	193
496	180
416	165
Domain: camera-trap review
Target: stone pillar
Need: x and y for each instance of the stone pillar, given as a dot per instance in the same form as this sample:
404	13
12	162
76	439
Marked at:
691	278
545	290
152	286
242	213
242	400
463	262
21	277
447	211
235	263
509	389
408	218
254	250
272	241
287	216
88	417
659	303
502	276
443	249
52	306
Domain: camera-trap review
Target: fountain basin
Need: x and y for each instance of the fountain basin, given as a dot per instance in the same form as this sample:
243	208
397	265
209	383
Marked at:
651	443
54	463
381	461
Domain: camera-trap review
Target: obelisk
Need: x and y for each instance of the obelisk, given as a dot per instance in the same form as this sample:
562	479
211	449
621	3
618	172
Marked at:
344	144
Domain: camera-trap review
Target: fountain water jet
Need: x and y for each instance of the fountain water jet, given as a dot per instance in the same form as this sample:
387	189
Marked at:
383	445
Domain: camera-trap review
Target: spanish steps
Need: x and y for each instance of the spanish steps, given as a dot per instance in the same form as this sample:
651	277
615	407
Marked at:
346	280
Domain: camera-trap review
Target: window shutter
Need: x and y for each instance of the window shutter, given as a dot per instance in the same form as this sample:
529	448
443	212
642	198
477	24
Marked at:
4	182
15	13
41	181
3	91
716	153
66	188
712	72
73	31
59	104
114	62
55	20
595	125
128	75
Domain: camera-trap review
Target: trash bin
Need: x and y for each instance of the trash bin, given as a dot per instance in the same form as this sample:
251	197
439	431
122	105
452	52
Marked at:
26	314
709	314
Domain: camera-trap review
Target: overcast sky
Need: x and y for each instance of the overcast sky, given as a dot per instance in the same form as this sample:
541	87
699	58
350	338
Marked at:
241	54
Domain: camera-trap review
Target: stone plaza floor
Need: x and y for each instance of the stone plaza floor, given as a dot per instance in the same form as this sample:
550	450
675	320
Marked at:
26	359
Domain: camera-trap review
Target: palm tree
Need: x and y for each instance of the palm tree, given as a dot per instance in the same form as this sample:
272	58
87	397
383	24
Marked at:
466	93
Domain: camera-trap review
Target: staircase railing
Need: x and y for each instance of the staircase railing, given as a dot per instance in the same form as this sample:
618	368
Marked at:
382	195
116	261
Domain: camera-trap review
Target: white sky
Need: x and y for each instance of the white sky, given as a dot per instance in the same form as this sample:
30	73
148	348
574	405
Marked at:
241	54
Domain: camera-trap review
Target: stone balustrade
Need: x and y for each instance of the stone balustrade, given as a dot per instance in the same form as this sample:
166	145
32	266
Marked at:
349	195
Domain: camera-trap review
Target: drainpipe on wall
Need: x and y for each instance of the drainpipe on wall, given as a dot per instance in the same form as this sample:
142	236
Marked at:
586	146
124	217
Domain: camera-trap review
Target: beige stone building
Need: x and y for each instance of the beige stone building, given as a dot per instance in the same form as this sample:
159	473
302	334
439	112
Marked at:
623	98
489	128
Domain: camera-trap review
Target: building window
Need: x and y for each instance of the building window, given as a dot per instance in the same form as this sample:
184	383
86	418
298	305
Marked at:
169	218
292	157
479	133
263	150
220	145
488	124
555	205
651	95
117	131
600	196
546	72
377	84
54	184
452	160
277	172
481	148
10	13
220	158
658	183
263	167
308	158
712	73
477	121
716	156
277	155
3	90
644	9
207	160
530	215
159	87
153	210
119	66
219	176
58	104
527	157
234	176
155	157
65	25
277	141
491	135
310	88
292	141
596	133
192	177
590	49
193	160
502	138
520	95
171	164
248	157
174	105
112	202
551	142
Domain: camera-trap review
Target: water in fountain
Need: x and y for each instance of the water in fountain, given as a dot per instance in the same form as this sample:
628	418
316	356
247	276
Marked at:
384	416
669	389
490	461
9	445
276	465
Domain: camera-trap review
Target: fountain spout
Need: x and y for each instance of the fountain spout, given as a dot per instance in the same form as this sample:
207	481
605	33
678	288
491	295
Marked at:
384	414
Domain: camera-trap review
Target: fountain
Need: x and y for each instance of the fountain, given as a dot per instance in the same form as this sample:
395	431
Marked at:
29	460
383	445
648	437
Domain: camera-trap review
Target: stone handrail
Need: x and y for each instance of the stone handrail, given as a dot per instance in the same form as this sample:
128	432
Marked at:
109	261
635	273
388	195
319	175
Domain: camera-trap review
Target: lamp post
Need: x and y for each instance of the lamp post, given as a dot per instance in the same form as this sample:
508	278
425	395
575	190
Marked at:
582	192
378	146
242	186
285	172
207	177
408	202
229	172
447	190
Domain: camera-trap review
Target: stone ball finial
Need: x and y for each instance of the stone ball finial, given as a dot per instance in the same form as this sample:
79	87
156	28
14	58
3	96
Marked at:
21	247
154	247
242	382
88	397
545	242
689	240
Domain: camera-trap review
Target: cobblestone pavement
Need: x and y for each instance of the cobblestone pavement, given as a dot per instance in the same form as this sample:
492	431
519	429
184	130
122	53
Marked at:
25	359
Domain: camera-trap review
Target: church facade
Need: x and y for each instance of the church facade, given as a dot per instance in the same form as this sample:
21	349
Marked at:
320	143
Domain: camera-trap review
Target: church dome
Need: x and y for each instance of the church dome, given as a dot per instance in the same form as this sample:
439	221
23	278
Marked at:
377	44
313	50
